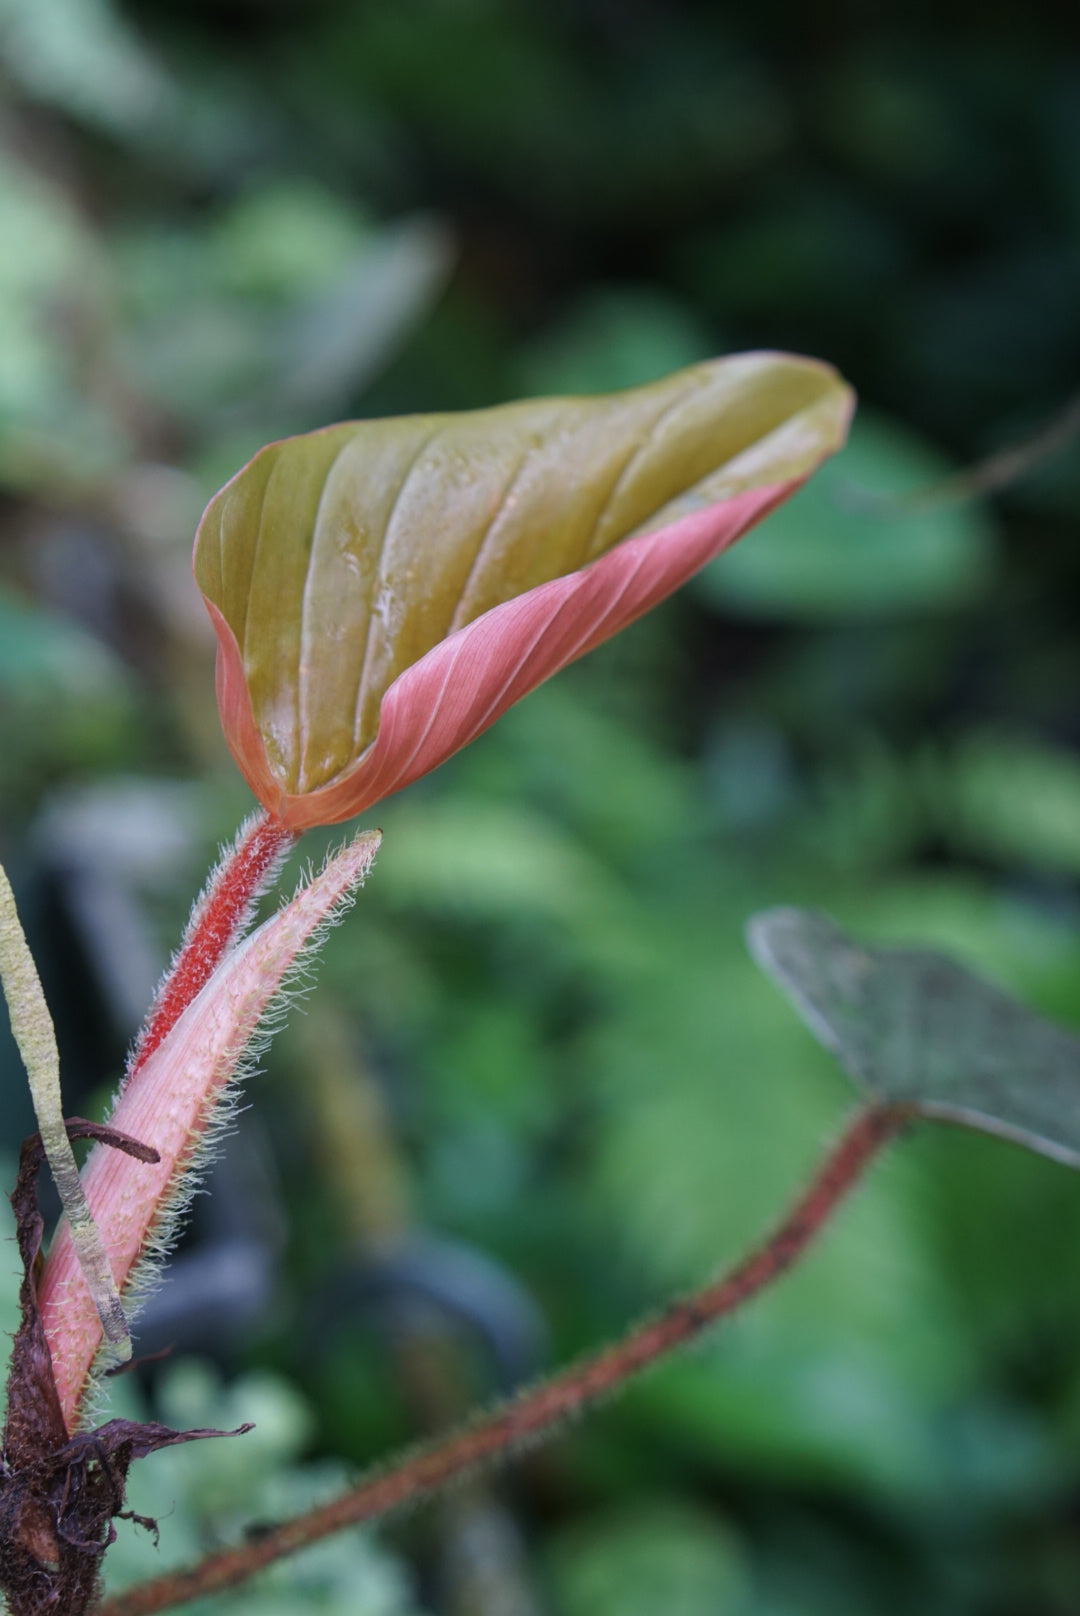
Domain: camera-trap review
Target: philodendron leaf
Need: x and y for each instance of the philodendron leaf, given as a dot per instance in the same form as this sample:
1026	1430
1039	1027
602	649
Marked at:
914	1028
383	590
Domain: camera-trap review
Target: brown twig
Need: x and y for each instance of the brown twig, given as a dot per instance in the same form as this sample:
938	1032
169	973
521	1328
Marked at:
536	1412
996	472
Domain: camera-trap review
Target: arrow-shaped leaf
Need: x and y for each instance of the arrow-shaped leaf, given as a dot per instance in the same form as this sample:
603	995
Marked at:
383	590
914	1028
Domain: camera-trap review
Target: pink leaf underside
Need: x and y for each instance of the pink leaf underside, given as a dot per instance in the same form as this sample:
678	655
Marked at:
467	681
166	1105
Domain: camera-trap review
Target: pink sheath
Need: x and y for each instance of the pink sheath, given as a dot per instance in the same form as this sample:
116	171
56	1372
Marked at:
167	1104
469	679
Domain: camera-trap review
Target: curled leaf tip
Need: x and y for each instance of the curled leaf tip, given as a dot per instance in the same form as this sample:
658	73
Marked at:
382	591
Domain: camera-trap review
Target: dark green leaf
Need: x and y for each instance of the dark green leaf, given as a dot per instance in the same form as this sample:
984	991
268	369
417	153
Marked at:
913	1027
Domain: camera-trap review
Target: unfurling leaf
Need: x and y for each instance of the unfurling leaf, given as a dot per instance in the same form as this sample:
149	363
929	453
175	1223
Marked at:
914	1028
383	590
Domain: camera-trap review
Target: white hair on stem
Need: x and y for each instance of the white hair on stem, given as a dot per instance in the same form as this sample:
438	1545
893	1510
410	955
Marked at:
220	916
181	1101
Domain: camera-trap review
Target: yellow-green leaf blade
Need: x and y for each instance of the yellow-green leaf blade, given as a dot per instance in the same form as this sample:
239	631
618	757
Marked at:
340	559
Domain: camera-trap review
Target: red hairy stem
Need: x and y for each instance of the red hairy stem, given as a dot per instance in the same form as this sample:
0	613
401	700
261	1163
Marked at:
539	1411
222	914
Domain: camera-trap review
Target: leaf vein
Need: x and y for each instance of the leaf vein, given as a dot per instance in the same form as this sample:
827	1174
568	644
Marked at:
370	639
309	571
626	469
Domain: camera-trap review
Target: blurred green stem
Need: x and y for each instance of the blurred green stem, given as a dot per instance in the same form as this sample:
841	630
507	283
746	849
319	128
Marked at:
361	1159
536	1413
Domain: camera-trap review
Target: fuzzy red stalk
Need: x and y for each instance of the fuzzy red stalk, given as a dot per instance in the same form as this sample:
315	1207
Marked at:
223	912
538	1412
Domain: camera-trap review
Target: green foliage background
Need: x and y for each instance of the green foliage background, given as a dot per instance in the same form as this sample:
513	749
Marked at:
224	222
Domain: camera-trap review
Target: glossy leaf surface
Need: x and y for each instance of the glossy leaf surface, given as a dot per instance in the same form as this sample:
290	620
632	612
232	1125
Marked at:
913	1027
383	590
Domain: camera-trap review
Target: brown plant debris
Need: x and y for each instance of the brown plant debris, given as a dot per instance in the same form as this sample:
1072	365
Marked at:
59	1493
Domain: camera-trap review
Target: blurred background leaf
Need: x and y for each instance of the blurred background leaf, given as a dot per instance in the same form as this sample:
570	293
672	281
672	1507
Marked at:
915	1028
